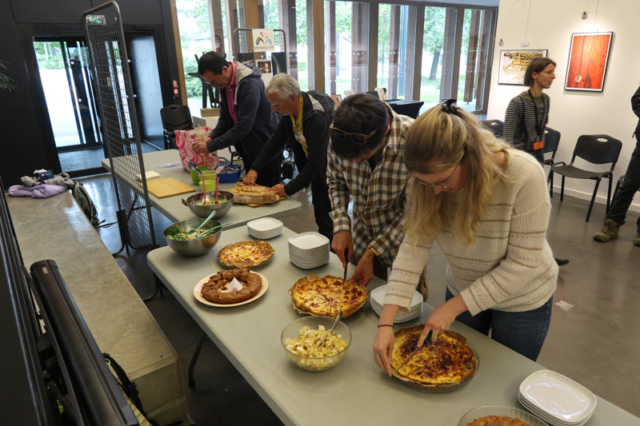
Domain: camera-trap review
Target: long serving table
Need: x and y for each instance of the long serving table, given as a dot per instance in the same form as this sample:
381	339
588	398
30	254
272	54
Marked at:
356	391
173	208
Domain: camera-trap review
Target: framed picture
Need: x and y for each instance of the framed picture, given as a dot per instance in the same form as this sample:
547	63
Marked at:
588	58
513	64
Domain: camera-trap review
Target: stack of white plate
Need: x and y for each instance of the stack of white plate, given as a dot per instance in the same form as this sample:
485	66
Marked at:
309	250
264	228
556	399
377	302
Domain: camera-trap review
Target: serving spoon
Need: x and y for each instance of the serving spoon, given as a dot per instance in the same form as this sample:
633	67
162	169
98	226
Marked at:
203	223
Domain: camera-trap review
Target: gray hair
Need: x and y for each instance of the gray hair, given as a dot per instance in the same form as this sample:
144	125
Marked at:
284	85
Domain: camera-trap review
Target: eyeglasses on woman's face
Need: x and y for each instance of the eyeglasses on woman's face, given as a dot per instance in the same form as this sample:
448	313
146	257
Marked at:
443	183
356	138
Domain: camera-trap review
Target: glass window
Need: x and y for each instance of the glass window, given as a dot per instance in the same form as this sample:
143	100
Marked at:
346	47
437	54
303	32
195	38
474	59
395	52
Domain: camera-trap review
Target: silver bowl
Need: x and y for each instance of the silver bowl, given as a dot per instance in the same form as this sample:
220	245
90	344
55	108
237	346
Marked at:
194	247
205	211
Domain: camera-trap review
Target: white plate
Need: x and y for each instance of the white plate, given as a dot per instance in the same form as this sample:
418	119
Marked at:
558	396
309	240
265	224
378	294
308	253
546	417
197	292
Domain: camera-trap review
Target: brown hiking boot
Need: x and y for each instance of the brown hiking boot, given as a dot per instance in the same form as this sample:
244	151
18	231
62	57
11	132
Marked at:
636	240
609	232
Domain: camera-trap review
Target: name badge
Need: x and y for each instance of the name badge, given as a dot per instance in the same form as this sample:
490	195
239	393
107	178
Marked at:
538	145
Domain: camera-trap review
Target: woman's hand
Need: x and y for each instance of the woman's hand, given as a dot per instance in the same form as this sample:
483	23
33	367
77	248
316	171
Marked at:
250	178
383	345
442	318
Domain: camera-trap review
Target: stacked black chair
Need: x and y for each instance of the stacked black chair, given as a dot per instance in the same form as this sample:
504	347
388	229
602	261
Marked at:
175	117
494	126
551	142
595	149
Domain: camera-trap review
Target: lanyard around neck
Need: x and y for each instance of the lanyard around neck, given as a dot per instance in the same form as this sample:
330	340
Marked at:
539	131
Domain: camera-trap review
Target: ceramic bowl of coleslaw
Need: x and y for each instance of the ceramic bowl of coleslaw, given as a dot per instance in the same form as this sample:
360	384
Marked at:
307	345
179	239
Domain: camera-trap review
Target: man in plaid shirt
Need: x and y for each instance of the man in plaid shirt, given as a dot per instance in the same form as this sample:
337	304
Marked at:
366	162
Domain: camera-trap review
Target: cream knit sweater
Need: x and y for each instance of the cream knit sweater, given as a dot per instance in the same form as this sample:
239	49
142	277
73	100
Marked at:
510	267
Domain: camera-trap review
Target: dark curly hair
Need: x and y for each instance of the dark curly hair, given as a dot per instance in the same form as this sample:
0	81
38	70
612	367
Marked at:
360	113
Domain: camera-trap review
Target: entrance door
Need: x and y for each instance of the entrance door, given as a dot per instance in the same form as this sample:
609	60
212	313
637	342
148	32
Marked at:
67	84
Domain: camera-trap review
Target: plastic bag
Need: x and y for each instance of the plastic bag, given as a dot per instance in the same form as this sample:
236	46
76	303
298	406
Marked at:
184	142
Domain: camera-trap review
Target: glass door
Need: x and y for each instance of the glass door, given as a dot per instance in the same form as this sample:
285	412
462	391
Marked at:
395	28
474	59
438	53
68	91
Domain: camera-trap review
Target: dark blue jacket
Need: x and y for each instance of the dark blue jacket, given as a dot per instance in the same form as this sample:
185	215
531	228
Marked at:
256	121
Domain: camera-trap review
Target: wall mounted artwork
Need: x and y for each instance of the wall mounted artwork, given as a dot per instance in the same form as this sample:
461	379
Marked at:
513	64
588	58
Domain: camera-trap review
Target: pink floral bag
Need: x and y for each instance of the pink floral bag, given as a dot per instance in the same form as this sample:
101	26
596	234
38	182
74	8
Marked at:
184	142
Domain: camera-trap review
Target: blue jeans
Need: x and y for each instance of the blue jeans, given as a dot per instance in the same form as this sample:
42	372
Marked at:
523	332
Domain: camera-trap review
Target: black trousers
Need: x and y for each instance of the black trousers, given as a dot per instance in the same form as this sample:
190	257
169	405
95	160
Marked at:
322	206
630	185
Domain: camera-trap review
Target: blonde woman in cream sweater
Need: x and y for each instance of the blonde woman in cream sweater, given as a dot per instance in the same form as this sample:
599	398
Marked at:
487	206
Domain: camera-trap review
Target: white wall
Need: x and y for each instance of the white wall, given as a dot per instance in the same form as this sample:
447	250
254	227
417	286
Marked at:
550	25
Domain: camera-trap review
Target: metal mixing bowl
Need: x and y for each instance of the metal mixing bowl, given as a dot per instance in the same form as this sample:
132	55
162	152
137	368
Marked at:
193	247
205	211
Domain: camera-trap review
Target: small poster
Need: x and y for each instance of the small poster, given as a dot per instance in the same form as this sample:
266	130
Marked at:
262	40
513	64
264	65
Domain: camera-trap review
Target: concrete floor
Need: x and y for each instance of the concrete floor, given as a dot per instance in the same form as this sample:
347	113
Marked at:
596	342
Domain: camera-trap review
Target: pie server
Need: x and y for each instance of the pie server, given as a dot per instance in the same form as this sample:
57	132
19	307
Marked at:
414	352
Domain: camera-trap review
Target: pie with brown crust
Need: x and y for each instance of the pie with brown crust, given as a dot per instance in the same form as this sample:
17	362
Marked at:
437	366
246	254
498	421
326	296
215	290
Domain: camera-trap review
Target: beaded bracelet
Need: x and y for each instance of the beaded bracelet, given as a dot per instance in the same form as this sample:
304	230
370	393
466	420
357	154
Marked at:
385	325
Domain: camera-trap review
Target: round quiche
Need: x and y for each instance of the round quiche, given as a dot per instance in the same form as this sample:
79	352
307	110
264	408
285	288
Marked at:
438	366
498	421
246	254
326	296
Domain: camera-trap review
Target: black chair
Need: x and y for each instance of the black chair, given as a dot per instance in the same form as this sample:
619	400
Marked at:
175	117
404	107
596	149
494	126
551	142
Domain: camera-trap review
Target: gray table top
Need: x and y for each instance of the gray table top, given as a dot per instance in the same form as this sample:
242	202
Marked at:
175	211
356	391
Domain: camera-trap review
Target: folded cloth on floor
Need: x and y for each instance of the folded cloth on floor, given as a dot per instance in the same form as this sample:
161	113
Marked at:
40	191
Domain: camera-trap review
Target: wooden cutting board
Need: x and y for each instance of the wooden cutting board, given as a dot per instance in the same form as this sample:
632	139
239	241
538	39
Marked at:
168	187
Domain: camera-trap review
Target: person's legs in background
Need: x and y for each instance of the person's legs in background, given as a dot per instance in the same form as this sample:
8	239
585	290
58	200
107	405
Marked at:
622	200
322	206
480	322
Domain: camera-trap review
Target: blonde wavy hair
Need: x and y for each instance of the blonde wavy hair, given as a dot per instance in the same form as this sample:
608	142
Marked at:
437	141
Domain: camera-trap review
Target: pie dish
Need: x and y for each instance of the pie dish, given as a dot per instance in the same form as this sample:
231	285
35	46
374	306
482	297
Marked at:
326	296
197	292
246	254
480	415
442	366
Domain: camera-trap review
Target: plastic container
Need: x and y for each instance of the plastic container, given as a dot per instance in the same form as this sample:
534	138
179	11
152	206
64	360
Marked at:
209	186
195	176
230	177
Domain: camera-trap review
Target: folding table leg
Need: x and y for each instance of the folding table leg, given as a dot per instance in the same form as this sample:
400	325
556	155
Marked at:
194	359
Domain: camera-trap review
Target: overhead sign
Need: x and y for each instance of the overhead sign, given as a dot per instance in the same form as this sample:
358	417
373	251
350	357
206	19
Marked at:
262	40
